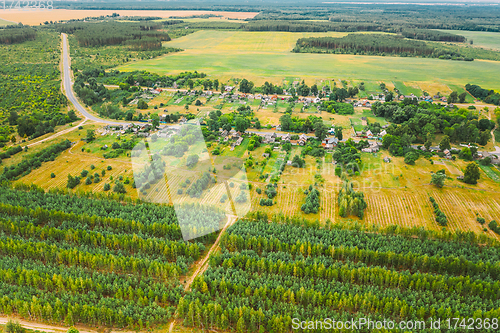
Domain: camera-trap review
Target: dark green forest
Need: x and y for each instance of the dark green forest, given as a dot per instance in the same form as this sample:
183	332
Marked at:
140	36
16	34
269	272
91	261
99	261
375	44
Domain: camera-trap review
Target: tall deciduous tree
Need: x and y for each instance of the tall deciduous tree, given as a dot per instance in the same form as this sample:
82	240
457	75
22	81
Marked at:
472	174
438	179
445	143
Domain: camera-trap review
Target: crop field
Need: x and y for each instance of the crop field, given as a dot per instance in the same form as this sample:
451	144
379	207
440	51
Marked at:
34	17
406	89
484	39
395	192
435	87
398	206
491	172
73	162
266	56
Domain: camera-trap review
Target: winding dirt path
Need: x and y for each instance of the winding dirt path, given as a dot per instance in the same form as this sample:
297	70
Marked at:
40	327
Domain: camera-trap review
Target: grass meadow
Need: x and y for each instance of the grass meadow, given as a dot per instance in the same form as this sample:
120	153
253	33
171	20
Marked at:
4	22
266	56
487	40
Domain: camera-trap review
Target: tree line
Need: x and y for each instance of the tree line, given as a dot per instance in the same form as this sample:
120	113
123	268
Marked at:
407	31
375	44
434	35
34	161
488	96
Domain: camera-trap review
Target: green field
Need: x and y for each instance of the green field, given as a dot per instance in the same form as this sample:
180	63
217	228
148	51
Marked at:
491	173
406	90
261	56
4	22
488	40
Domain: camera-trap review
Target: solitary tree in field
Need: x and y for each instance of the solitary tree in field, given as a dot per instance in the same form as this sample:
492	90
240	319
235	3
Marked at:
389	97
119	188
192	160
472	174
14	327
438	179
142	105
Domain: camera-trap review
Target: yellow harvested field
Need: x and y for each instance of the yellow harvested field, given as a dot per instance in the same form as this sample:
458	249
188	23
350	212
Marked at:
37	17
73	162
431	87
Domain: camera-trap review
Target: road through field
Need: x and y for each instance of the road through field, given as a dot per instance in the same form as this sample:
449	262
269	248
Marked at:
68	88
68	91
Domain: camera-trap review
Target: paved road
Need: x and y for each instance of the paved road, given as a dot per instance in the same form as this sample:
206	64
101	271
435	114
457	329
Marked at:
69	91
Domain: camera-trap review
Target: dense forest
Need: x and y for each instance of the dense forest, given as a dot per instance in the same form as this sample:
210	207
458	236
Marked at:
322	26
31	101
92	261
267	273
140	36
435	16
426	34
375	44
16	34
